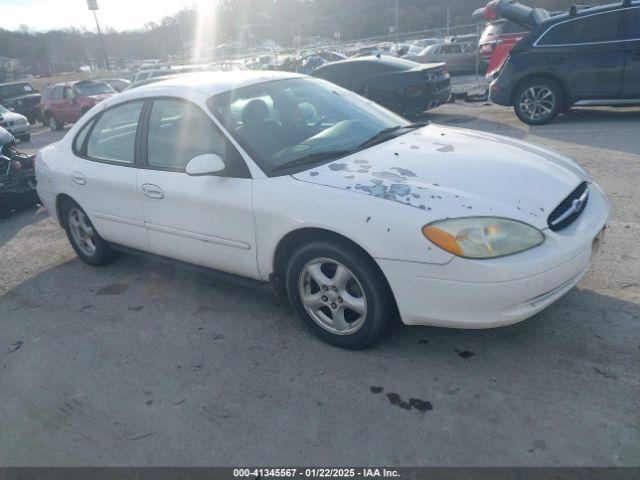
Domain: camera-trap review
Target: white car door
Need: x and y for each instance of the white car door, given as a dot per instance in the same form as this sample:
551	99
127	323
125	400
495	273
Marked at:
103	175
205	220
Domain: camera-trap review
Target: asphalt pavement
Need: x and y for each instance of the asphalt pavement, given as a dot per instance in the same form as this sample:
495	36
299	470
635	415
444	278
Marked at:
138	363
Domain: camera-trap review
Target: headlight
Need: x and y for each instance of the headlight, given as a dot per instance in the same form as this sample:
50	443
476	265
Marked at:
482	237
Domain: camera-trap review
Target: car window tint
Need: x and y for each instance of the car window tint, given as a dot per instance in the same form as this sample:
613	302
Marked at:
68	93
634	23
57	93
450	49
178	132
114	136
79	140
604	27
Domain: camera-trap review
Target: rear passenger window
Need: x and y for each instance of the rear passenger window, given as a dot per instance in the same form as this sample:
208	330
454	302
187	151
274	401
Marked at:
57	93
79	140
598	28
114	136
178	132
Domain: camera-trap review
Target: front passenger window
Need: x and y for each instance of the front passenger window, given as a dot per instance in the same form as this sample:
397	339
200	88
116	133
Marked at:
178	132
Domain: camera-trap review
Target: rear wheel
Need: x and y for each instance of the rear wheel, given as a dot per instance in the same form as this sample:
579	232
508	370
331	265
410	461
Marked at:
53	123
339	294
84	238
538	101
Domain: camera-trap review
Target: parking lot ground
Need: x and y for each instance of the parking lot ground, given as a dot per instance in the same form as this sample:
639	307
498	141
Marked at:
137	363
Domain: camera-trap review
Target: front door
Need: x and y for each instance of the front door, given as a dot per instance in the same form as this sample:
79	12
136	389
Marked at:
103	175
206	220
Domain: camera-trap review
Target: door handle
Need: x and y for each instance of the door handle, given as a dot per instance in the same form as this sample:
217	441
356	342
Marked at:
152	191
78	177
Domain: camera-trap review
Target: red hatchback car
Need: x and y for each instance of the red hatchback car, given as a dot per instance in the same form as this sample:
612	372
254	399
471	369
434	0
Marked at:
67	102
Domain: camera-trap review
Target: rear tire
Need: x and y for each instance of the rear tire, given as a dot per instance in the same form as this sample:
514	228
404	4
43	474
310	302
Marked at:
83	236
538	101
339	294
53	122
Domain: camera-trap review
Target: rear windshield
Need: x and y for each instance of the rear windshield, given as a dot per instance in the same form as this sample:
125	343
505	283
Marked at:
15	89
93	88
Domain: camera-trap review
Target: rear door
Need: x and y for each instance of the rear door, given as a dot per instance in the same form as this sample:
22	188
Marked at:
632	63
104	173
589	53
205	220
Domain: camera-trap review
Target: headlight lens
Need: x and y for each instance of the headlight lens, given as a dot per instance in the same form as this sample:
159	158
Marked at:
482	237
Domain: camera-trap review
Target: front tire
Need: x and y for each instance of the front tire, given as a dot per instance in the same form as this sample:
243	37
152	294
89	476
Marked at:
538	101
83	236
339	294
25	138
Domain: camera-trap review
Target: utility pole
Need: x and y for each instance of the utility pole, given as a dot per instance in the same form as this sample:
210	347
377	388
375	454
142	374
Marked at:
448	19
93	6
397	33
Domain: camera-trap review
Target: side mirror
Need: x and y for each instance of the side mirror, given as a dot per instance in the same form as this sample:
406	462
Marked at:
206	164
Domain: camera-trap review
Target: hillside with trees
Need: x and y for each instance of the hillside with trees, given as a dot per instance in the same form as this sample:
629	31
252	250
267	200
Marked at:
286	22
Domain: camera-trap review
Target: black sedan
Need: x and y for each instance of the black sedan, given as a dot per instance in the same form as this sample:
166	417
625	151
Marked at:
17	176
406	87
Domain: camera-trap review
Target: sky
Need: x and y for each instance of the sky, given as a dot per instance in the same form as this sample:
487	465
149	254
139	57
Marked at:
43	15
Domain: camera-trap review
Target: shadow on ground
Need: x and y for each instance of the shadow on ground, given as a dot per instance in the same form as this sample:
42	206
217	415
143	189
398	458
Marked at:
138	363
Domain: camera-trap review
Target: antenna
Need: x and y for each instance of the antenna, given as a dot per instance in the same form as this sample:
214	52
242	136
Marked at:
573	11
626	3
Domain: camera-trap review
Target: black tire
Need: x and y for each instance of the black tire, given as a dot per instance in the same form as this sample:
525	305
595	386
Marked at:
380	306
83	111
547	108
25	138
103	252
53	122
31	119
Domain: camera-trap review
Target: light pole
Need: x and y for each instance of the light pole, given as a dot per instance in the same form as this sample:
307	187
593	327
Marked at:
397	33
93	6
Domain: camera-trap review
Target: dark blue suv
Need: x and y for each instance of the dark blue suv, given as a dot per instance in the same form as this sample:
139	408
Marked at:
585	57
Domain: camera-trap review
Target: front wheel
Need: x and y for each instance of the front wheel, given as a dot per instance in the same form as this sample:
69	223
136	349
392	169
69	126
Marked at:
84	238
339	294
538	101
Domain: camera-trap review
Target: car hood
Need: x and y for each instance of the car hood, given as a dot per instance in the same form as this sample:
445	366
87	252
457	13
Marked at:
454	172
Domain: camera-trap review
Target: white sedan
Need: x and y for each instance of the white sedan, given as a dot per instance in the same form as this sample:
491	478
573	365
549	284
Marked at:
358	215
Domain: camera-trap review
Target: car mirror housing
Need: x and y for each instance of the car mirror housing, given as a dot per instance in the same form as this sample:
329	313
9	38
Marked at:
207	164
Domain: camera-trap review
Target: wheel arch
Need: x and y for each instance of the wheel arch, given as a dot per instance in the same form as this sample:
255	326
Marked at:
545	76
60	199
295	238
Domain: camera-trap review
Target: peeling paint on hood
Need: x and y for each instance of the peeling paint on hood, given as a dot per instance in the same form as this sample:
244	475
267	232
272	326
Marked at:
454	172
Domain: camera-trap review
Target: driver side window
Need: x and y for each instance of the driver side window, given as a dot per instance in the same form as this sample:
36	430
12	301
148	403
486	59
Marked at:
180	131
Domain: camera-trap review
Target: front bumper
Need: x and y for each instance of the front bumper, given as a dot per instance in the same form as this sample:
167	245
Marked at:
491	293
18	130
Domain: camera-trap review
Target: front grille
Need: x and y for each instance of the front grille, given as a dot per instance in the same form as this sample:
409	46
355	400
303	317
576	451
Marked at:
569	209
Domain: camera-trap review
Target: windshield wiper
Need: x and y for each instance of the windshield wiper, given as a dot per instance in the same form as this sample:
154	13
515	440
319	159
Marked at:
312	158
389	133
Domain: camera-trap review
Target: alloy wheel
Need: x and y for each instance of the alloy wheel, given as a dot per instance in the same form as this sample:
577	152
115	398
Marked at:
82	231
332	296
537	102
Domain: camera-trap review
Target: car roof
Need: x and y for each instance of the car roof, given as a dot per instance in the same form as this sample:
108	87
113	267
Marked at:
587	11
210	83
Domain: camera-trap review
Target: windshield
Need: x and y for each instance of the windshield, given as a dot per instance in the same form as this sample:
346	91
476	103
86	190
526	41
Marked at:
285	121
97	88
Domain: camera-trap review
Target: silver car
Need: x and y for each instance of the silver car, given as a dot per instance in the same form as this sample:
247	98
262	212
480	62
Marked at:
459	57
16	124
